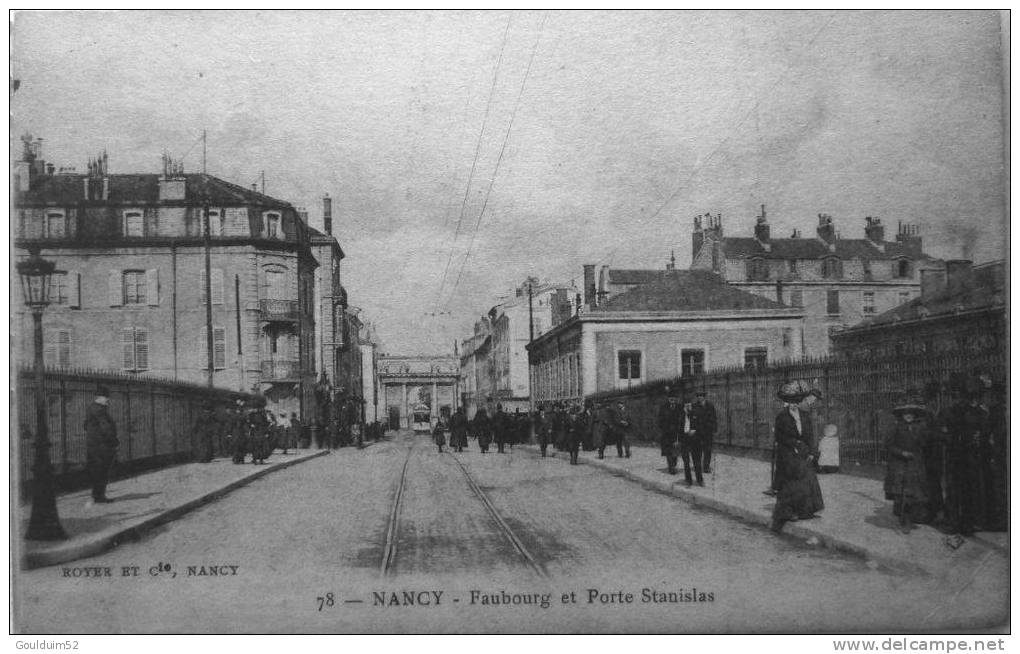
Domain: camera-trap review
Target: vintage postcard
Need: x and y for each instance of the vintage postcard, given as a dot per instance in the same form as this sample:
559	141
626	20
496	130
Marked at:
684	322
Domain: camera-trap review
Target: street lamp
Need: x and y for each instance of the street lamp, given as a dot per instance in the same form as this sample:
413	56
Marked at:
35	273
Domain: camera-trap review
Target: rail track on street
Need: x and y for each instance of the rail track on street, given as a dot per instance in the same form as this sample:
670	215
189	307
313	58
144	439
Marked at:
390	548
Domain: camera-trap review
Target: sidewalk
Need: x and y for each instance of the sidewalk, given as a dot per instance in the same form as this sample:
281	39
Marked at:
141	503
857	517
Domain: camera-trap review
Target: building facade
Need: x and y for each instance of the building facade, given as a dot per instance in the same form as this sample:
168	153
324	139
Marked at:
407	382
962	310
682	324
837	282
130	290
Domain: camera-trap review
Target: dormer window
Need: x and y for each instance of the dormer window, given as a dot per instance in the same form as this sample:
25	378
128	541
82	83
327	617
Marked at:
757	269
904	269
832	268
215	223
56	224
134	223
273	226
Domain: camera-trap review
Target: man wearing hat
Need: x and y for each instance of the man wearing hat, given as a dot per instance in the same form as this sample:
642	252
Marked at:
707	425
690	442
669	430
101	443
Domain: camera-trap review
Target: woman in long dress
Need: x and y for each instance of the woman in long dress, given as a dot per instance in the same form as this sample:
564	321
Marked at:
906	482
799	495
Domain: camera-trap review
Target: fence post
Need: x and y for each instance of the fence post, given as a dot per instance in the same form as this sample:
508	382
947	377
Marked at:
729	414
63	427
152	419
127	409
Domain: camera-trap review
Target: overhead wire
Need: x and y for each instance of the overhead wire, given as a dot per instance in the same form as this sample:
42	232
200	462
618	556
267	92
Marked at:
499	160
474	162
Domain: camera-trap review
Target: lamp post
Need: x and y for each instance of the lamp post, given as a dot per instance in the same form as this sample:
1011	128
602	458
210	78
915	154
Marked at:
35	273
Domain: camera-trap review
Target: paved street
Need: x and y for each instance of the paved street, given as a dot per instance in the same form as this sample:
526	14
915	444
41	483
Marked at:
478	529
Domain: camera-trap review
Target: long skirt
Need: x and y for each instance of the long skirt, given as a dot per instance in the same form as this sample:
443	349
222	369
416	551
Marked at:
799	495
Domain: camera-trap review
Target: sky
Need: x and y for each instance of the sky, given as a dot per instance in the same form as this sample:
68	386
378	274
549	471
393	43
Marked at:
466	151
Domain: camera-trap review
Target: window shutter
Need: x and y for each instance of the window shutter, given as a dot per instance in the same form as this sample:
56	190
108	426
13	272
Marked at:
50	350
219	348
217	285
64	348
74	289
152	286
141	349
116	289
201	285
127	339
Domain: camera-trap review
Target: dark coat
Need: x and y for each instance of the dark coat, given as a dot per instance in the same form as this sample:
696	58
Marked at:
799	491
707	420
905	476
669	428
439	433
542	428
482	427
100	433
619	424
458	430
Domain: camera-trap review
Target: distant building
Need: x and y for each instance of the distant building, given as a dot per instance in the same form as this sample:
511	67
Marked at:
130	291
409	382
475	367
962	310
836	281
680	324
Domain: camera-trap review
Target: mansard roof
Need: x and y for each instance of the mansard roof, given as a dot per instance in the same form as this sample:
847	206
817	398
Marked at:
686	290
143	189
634	275
814	248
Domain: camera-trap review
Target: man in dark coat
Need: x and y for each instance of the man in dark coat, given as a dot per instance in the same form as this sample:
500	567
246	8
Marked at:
669	431
690	442
482	429
101	444
542	429
458	430
206	429
707	425
619	427
964	427
500	427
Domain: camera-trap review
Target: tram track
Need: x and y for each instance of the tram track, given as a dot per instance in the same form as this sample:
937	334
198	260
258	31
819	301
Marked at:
389	556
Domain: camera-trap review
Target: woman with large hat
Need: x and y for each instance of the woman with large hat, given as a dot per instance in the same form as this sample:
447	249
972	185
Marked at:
799	496
906	481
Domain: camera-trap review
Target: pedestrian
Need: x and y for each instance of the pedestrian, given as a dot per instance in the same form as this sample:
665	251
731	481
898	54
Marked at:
906	482
964	430
258	431
669	430
100	443
439	434
283	432
558	427
599	429
541	426
458	430
799	496
620	426
576	424
296	431
205	430
707	425
500	427
997	456
239	435
482	429
690	443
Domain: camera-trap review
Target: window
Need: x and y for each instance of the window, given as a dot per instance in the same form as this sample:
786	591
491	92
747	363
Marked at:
904	297
275	285
134	223
135	349
903	268
796	298
629	363
135	286
692	361
866	263
792	267
832	302
832	268
273	225
755	358
59	291
56	224
757	269
868	302
215	223
58	349
217	285
219	349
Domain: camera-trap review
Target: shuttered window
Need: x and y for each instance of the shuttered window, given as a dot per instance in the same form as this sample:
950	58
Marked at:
135	349
219	348
56	224
57	353
135	287
217	285
59	291
134	223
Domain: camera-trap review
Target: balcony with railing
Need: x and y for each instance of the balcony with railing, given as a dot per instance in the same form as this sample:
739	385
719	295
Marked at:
281	370
278	310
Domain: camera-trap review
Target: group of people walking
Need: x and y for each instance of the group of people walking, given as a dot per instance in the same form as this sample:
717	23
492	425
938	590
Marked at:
502	429
686	431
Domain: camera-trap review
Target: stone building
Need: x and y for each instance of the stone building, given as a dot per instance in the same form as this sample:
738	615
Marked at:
680	324
962	310
476	367
130	291
406	382
836	281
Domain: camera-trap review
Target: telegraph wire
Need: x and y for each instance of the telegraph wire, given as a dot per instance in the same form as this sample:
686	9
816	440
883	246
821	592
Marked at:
499	160
474	162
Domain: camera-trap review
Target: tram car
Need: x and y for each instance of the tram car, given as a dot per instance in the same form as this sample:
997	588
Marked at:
422	418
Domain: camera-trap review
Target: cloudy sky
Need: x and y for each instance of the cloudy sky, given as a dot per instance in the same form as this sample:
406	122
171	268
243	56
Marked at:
587	137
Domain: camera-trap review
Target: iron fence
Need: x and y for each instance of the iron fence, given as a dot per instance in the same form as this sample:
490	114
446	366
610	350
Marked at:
857	397
155	417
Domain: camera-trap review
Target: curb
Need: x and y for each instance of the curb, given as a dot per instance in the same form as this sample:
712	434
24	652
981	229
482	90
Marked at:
108	540
795	530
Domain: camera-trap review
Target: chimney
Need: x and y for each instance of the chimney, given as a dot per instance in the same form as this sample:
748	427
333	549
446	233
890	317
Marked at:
672	261
173	184
909	236
933	281
959	273
589	285
327	214
826	230
761	230
875	232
